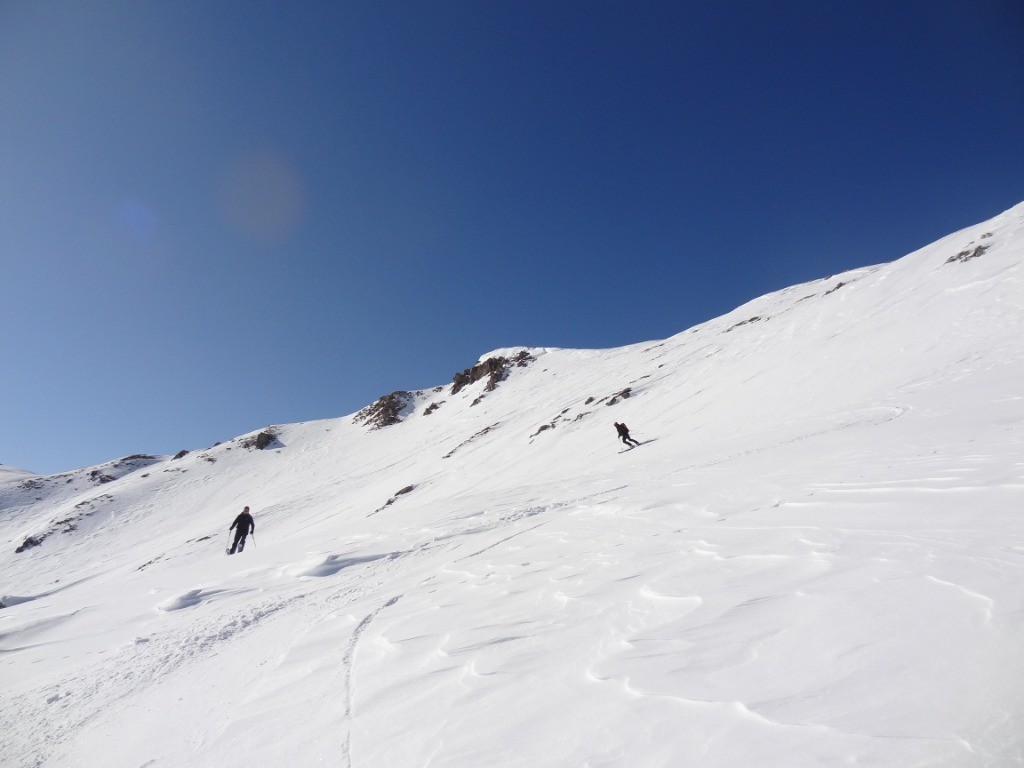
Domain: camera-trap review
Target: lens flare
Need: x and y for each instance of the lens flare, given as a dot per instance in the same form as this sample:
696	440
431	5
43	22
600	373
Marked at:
261	198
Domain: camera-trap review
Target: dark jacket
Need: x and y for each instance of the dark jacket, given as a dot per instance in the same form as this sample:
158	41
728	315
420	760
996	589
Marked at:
622	429
245	523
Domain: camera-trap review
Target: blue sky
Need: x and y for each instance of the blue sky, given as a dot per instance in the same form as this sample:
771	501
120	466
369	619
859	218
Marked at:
218	216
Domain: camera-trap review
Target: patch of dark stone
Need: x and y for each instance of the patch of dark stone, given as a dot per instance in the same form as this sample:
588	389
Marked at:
754	319
69	523
481	433
837	287
393	499
968	254
138	458
30	541
542	428
624	394
385	411
494	369
265	439
607	400
66	525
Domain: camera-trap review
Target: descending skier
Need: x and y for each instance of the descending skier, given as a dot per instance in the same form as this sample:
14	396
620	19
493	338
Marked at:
243	524
623	431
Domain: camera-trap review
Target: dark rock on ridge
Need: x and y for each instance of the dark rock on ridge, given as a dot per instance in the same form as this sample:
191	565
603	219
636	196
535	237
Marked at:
968	253
265	439
29	542
386	410
495	369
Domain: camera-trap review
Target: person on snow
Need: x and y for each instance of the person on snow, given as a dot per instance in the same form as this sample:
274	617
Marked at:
623	431
242	525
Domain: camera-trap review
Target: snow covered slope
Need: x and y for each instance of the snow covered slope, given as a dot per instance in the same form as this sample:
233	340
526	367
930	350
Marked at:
814	559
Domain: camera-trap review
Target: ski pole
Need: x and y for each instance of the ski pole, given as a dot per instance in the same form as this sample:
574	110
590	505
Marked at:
253	534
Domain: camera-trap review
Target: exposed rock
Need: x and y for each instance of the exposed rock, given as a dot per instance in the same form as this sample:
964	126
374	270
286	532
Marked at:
481	433
132	463
836	288
386	411
180	454
968	254
611	399
69	523
393	499
137	458
495	369
432	407
754	319
265	439
29	542
542	428
623	394
566	416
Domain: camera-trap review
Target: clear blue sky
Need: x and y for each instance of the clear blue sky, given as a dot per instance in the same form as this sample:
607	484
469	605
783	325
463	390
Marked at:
219	215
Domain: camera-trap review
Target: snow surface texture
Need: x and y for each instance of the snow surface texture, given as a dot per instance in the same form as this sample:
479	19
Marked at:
814	559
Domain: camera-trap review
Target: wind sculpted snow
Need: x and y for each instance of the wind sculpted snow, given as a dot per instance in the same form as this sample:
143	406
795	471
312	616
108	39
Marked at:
814	560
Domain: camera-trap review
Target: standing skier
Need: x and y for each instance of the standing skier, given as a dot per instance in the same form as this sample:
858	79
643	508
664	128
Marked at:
623	431
243	524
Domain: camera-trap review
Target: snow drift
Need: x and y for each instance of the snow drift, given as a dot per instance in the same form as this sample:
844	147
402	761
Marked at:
814	558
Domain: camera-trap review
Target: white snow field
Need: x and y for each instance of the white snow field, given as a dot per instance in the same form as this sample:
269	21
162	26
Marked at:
816	558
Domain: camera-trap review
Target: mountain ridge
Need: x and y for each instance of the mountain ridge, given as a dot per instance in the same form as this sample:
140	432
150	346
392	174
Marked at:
790	571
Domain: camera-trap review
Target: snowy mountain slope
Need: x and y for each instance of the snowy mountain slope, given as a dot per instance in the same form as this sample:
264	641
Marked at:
814	559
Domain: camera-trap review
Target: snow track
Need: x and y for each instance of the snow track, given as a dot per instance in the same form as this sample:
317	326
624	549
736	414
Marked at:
348	661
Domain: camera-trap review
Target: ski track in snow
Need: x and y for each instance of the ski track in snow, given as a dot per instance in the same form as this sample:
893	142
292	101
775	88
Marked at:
348	661
74	702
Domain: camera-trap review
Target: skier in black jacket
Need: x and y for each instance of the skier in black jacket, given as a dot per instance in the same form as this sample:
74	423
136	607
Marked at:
243	524
623	431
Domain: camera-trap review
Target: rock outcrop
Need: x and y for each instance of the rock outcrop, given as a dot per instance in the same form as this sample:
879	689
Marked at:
261	441
495	369
386	411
